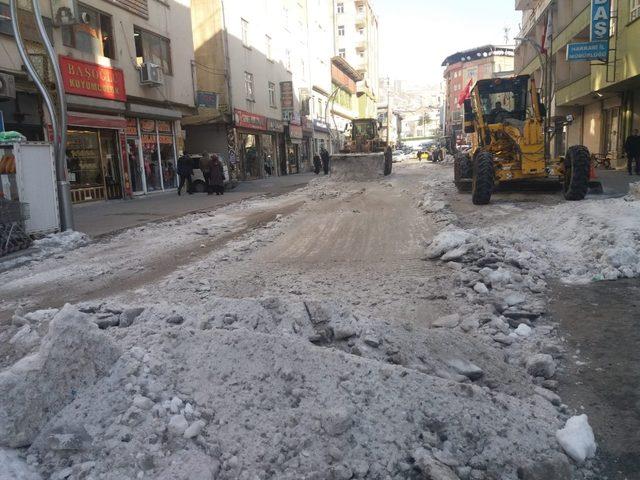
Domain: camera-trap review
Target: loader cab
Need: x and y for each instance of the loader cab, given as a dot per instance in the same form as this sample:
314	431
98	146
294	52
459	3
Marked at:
366	128
502	100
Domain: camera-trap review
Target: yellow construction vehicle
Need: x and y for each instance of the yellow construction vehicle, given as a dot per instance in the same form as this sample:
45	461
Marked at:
364	137
506	120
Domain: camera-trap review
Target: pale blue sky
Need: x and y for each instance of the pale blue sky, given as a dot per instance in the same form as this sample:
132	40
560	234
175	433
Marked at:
417	35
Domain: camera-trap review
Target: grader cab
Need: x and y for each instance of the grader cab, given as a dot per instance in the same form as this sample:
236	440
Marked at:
506	120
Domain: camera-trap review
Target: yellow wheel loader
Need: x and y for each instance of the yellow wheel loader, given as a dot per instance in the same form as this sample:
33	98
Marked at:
506	120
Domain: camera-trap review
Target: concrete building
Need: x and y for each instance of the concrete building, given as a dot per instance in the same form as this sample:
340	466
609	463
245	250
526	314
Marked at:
356	40
603	97
246	99
344	103
127	69
465	68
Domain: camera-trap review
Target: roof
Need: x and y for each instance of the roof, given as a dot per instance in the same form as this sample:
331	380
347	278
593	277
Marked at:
346	67
479	52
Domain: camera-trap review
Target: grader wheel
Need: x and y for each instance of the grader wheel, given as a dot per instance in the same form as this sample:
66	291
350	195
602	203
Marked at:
462	172
483	179
576	173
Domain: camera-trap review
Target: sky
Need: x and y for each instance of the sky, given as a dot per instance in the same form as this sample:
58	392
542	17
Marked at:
417	35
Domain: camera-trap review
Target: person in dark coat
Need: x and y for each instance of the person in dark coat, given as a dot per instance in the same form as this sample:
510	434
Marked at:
204	166
324	155
216	176
317	163
632	147
185	170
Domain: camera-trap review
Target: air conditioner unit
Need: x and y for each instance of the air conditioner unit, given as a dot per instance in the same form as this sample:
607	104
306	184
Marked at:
7	86
151	74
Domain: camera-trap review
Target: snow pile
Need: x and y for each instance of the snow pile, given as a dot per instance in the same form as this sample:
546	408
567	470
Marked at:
48	246
263	388
12	467
578	242
634	191
577	438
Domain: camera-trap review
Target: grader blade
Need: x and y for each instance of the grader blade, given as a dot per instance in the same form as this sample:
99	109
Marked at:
357	166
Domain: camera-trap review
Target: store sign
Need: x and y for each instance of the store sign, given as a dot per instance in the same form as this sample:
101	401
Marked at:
600	20
207	99
249	120
164	126
320	125
91	80
274	125
148	126
132	127
295	131
587	51
286	95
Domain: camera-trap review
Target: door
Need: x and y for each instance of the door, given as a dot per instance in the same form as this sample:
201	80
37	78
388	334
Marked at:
111	163
135	165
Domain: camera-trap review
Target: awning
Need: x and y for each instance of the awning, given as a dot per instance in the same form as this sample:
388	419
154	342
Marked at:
94	120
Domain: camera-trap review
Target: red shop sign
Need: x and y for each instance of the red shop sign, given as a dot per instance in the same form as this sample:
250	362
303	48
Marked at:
249	120
91	80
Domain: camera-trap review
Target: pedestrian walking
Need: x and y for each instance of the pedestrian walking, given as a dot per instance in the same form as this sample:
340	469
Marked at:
204	166
185	170
324	156
632	148
216	176
317	164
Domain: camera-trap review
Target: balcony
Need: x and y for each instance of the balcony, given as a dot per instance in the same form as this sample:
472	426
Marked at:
524	4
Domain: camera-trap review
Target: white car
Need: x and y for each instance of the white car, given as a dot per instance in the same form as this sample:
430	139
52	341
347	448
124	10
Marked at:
398	156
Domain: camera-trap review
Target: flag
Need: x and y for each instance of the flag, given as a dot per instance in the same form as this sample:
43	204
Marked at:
547	36
466	93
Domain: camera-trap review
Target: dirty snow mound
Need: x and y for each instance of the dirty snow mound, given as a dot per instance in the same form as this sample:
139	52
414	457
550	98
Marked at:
73	355
12	467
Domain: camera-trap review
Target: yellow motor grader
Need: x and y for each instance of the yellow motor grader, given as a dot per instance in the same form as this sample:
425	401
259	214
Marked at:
506	120
365	138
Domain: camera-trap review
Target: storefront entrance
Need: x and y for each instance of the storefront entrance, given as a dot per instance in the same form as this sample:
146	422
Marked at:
93	162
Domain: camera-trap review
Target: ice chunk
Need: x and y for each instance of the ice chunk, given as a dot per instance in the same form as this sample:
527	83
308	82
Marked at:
577	439
445	241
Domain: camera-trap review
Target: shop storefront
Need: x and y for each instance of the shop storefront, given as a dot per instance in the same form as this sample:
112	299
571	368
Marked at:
293	146
96	159
259	145
152	152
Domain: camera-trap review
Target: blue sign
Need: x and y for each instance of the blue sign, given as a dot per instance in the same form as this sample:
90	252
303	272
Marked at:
600	20
588	51
1	122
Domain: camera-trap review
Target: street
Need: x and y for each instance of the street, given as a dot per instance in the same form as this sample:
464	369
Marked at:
323	328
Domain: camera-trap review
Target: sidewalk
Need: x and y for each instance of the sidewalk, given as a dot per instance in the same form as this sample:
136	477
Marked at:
105	217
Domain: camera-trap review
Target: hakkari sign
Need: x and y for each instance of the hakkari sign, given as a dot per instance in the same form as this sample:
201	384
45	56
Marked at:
91	80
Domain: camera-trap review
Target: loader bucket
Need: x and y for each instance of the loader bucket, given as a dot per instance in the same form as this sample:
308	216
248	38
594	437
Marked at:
357	166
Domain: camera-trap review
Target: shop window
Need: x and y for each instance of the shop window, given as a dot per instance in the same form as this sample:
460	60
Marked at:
248	86
341	30
152	48
272	94
634	10
245	32
95	36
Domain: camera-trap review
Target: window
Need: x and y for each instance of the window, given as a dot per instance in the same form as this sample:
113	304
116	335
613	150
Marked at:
248	85
340	8
634	10
152	48
361	31
267	41
341	30
360	8
342	53
272	94
95	36
245	32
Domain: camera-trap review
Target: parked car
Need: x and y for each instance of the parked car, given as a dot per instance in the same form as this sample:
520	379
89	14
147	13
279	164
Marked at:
197	178
398	156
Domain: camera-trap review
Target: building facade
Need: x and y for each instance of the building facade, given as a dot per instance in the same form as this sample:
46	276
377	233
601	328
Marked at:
356	40
127	90
602	97
463	69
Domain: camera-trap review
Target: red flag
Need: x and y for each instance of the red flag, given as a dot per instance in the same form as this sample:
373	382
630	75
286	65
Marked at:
548	34
466	93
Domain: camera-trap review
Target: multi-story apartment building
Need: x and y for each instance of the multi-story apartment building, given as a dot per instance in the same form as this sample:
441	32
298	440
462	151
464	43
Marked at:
463	69
344	100
603	97
127	70
356	40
